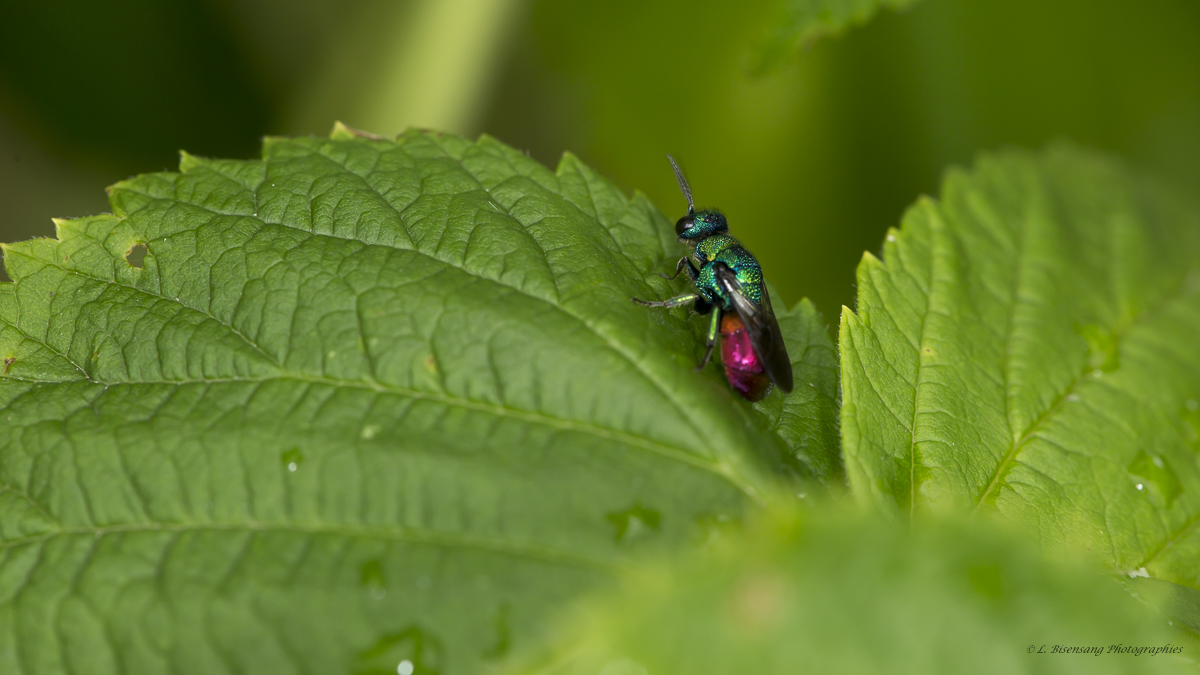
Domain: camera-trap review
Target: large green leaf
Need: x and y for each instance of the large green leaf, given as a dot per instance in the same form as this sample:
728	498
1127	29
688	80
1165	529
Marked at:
817	593
1028	346
360	402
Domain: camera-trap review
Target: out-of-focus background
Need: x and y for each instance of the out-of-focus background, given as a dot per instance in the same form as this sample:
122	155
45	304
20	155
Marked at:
812	155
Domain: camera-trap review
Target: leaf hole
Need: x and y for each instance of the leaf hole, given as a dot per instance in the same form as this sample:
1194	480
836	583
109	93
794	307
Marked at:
136	255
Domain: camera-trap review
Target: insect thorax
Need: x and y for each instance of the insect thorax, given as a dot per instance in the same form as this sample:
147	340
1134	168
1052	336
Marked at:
708	248
748	272
745	267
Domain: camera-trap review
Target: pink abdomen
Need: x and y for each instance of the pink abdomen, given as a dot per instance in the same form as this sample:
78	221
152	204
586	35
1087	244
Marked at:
742	366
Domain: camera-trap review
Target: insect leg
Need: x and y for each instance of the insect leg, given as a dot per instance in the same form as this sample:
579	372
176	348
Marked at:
678	268
684	263
712	339
671	302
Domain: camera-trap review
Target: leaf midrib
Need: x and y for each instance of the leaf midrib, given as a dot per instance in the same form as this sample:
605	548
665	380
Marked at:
710	465
668	451
1172	539
1178	294
404	534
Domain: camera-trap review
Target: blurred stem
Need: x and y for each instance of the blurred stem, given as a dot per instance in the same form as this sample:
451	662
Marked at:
426	63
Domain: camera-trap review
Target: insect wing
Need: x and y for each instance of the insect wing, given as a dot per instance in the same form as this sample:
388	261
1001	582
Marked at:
763	329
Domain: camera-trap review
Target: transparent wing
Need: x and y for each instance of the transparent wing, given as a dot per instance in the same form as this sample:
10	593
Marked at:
760	323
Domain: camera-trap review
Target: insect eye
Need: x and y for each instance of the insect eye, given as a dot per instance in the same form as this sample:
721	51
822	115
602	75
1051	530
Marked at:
684	224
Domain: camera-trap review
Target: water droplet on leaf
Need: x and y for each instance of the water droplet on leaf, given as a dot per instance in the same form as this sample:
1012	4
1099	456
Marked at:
1102	349
635	522
1158	472
291	459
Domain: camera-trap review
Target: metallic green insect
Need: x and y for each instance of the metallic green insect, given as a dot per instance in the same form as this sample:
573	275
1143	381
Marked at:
729	286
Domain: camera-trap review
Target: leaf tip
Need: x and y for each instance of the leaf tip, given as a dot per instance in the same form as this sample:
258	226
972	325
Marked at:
188	161
804	305
568	159
850	321
870	261
342	132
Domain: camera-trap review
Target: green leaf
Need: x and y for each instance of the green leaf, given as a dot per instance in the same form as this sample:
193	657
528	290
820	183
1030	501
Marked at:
1028	346
803	22
817	593
360	402
807	419
1179	604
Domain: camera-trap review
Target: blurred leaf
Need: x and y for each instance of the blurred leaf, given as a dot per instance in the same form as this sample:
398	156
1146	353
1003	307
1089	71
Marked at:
362	402
1179	604
395	65
805	21
823	594
126	84
1027	346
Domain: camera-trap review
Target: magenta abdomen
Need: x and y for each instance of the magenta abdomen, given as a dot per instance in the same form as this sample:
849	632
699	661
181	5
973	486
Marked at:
743	368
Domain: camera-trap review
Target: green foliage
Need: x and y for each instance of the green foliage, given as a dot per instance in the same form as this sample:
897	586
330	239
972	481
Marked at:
356	403
365	401
807	418
805	21
821	593
367	406
1027	346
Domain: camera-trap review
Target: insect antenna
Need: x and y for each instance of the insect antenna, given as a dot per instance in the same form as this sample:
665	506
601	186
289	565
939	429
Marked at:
683	184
